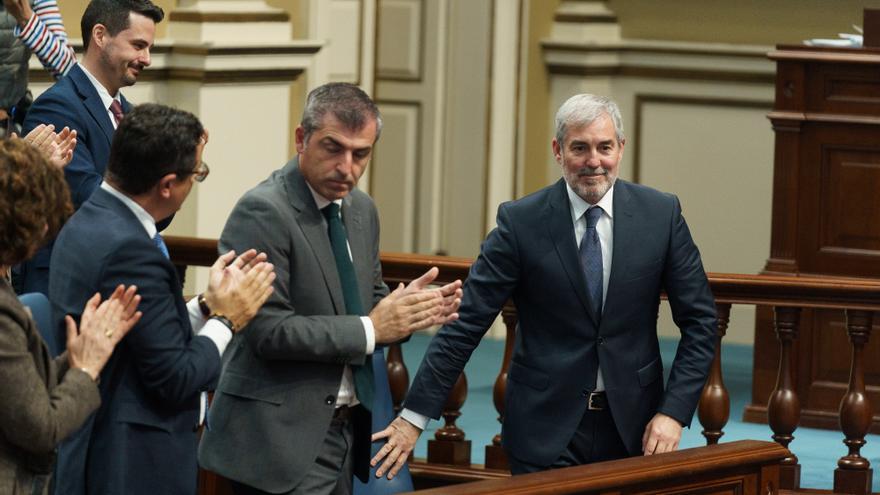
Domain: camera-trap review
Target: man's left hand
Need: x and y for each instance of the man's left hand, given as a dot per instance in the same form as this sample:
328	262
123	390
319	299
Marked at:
661	435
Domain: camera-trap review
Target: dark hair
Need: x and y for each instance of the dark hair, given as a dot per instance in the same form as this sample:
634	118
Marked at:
151	142
114	15
347	102
34	200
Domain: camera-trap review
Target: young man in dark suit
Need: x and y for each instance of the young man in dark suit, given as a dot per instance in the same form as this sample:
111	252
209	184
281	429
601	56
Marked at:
117	37
584	260
142	440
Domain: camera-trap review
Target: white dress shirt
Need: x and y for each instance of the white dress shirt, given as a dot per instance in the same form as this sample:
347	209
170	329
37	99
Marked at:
346	395
605	229
106	99
212	329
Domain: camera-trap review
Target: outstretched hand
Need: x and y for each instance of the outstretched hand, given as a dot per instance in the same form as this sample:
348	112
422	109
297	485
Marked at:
402	436
102	326
415	307
238	287
56	147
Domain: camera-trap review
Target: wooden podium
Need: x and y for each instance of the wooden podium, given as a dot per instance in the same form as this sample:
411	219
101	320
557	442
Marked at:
826	217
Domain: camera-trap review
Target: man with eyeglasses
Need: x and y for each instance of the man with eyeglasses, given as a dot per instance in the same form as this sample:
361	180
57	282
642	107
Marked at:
143	438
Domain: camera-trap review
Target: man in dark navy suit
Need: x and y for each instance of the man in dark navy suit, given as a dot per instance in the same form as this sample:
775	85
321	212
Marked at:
143	440
117	37
585	261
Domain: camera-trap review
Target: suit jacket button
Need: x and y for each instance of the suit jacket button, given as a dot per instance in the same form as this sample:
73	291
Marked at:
329	400
585	393
601	340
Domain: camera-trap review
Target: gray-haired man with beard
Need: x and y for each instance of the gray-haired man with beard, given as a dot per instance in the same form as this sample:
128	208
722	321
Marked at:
584	260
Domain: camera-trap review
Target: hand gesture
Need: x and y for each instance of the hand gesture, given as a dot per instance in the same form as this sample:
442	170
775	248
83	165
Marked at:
238	288
56	147
402	436
101	327
20	10
414	307
661	435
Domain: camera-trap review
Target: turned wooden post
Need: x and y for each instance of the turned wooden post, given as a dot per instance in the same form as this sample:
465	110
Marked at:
714	408
854	474
496	458
449	445
783	407
398	376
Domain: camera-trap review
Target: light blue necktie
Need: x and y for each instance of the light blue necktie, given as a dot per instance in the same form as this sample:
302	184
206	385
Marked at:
160	243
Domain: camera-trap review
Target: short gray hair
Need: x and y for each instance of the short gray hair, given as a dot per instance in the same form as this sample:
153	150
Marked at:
583	109
346	102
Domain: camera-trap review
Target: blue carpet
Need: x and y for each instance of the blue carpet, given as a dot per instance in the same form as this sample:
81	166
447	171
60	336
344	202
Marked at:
817	450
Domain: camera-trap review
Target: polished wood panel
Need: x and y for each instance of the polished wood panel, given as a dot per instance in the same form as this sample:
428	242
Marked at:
826	217
746	467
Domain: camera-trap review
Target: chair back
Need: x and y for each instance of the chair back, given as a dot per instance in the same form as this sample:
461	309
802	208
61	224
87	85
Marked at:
41	311
383	413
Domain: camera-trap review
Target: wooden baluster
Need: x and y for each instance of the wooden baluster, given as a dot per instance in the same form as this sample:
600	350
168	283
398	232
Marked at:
714	408
783	407
398	376
449	445
854	474
496	458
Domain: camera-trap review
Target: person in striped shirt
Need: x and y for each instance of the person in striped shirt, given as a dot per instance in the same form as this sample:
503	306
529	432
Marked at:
29	26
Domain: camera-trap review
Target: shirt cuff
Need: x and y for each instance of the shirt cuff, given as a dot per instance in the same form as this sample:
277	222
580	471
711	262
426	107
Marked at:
28	29
415	419
196	319
370	333
218	333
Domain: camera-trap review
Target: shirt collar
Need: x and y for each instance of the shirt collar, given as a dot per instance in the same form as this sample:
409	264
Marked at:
579	206
106	99
145	218
321	201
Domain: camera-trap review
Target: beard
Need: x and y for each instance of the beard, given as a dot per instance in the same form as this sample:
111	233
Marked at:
591	193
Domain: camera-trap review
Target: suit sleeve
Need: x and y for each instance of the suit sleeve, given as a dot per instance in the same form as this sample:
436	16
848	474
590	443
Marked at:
693	310
171	362
280	330
81	174
32	417
491	282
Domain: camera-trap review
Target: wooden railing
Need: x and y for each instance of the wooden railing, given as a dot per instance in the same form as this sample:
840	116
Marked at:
745	466
449	459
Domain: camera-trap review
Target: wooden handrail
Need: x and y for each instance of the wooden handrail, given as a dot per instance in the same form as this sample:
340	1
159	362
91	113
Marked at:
764	290
620	476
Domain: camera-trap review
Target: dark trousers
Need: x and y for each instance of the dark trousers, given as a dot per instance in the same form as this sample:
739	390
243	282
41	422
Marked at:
595	440
331	474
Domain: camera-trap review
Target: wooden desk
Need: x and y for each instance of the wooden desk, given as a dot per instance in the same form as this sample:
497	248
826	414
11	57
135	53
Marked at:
826	216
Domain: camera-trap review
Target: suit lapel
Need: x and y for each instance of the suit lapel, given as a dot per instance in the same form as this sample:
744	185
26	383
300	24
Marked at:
558	220
624	238
91	101
314	228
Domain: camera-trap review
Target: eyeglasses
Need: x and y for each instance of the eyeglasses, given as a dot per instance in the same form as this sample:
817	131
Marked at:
199	173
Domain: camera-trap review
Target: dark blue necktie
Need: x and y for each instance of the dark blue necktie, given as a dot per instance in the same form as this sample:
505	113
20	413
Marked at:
363	375
590	254
160	243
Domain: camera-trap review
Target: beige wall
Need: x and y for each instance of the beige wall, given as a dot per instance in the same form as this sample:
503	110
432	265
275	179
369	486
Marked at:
763	22
71	11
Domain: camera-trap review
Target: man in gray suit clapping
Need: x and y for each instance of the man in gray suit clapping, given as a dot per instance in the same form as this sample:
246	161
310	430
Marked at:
292	410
